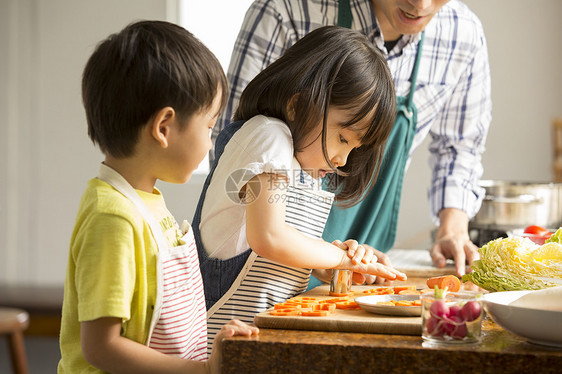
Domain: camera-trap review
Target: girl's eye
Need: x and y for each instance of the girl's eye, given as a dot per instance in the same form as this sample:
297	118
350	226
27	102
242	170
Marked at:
343	140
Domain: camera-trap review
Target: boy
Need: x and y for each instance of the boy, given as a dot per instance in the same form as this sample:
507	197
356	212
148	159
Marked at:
133	297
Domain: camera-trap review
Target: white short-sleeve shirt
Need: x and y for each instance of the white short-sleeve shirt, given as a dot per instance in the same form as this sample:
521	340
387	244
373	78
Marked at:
262	145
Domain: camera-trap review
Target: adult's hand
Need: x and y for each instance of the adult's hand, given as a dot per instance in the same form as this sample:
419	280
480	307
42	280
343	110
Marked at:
452	241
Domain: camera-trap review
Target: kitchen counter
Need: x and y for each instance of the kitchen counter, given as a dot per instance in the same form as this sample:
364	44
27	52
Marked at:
297	351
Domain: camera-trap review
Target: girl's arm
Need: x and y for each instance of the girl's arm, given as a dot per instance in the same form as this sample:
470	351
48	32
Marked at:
105	348
270	237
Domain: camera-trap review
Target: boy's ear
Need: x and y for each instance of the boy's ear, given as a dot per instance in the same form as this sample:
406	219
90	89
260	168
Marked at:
161	125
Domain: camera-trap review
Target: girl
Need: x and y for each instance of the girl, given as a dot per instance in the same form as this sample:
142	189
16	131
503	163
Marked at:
323	110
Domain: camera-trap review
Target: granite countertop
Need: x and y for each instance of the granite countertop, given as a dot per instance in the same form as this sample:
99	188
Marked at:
294	351
299	351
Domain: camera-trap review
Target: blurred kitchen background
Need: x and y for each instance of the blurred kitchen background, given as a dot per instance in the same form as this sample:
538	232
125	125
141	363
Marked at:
46	157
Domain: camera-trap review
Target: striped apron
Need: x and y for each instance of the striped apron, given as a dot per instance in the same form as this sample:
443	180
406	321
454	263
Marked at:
261	283
178	325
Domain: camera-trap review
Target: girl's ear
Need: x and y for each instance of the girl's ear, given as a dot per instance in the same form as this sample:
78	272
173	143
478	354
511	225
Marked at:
291	107
161	125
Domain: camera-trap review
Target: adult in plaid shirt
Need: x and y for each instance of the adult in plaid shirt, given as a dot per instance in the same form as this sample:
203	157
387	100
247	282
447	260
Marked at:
451	96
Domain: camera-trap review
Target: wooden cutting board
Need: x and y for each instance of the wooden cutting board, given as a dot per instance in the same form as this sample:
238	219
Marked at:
342	320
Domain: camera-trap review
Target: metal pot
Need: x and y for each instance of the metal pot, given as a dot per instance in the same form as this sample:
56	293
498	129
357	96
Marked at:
512	205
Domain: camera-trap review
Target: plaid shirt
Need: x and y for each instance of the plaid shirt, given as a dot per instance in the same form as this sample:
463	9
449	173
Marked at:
452	97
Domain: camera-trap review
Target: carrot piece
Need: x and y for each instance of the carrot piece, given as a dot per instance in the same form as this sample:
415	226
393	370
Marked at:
426	290
285	312
398	289
385	291
347	305
315	313
305	304
404	303
303	298
325	306
388	303
409	292
452	283
334	300
287	306
417	303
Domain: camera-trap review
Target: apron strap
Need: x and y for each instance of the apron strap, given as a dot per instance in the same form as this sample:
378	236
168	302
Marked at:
344	14
374	220
415	71
116	180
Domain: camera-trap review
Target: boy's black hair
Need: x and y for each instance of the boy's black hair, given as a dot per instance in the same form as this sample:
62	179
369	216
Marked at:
330	66
133	74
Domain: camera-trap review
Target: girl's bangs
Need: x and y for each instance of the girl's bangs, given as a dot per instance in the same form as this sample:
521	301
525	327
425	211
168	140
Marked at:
364	122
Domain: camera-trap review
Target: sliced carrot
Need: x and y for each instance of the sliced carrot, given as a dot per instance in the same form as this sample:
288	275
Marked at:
385	291
334	300
426	290
315	313
398	289
325	306
304	298
409	292
452	283
287	306
347	305
404	303
307	305
389	303
285	312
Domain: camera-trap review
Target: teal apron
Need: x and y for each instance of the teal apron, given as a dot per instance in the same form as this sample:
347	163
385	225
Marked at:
374	220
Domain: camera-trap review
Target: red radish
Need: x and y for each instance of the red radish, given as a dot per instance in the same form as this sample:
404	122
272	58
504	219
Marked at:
471	310
439	309
460	331
455	311
434	327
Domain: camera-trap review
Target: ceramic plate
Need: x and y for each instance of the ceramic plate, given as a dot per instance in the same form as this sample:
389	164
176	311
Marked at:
369	303
536	325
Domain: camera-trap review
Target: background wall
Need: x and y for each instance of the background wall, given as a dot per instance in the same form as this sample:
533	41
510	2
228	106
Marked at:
46	157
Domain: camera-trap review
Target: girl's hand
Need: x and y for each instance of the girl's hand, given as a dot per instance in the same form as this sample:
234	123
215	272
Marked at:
358	253
382	258
368	264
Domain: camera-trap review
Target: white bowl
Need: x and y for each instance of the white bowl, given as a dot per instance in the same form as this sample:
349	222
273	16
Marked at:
536	325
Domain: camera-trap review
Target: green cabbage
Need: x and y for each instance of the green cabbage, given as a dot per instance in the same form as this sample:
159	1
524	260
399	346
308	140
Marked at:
516	263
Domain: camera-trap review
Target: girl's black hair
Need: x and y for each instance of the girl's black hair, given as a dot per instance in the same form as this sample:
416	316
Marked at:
133	74
330	67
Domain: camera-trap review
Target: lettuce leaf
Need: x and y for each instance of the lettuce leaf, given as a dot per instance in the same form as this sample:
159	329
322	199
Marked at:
516	263
556	237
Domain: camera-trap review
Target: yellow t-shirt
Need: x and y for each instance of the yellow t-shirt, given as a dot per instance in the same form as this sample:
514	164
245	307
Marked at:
111	267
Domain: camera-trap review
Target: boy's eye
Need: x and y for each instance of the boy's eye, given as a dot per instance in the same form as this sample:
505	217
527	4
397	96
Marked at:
343	140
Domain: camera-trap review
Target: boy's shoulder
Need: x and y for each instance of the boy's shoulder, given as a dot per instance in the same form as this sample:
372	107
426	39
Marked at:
100	198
